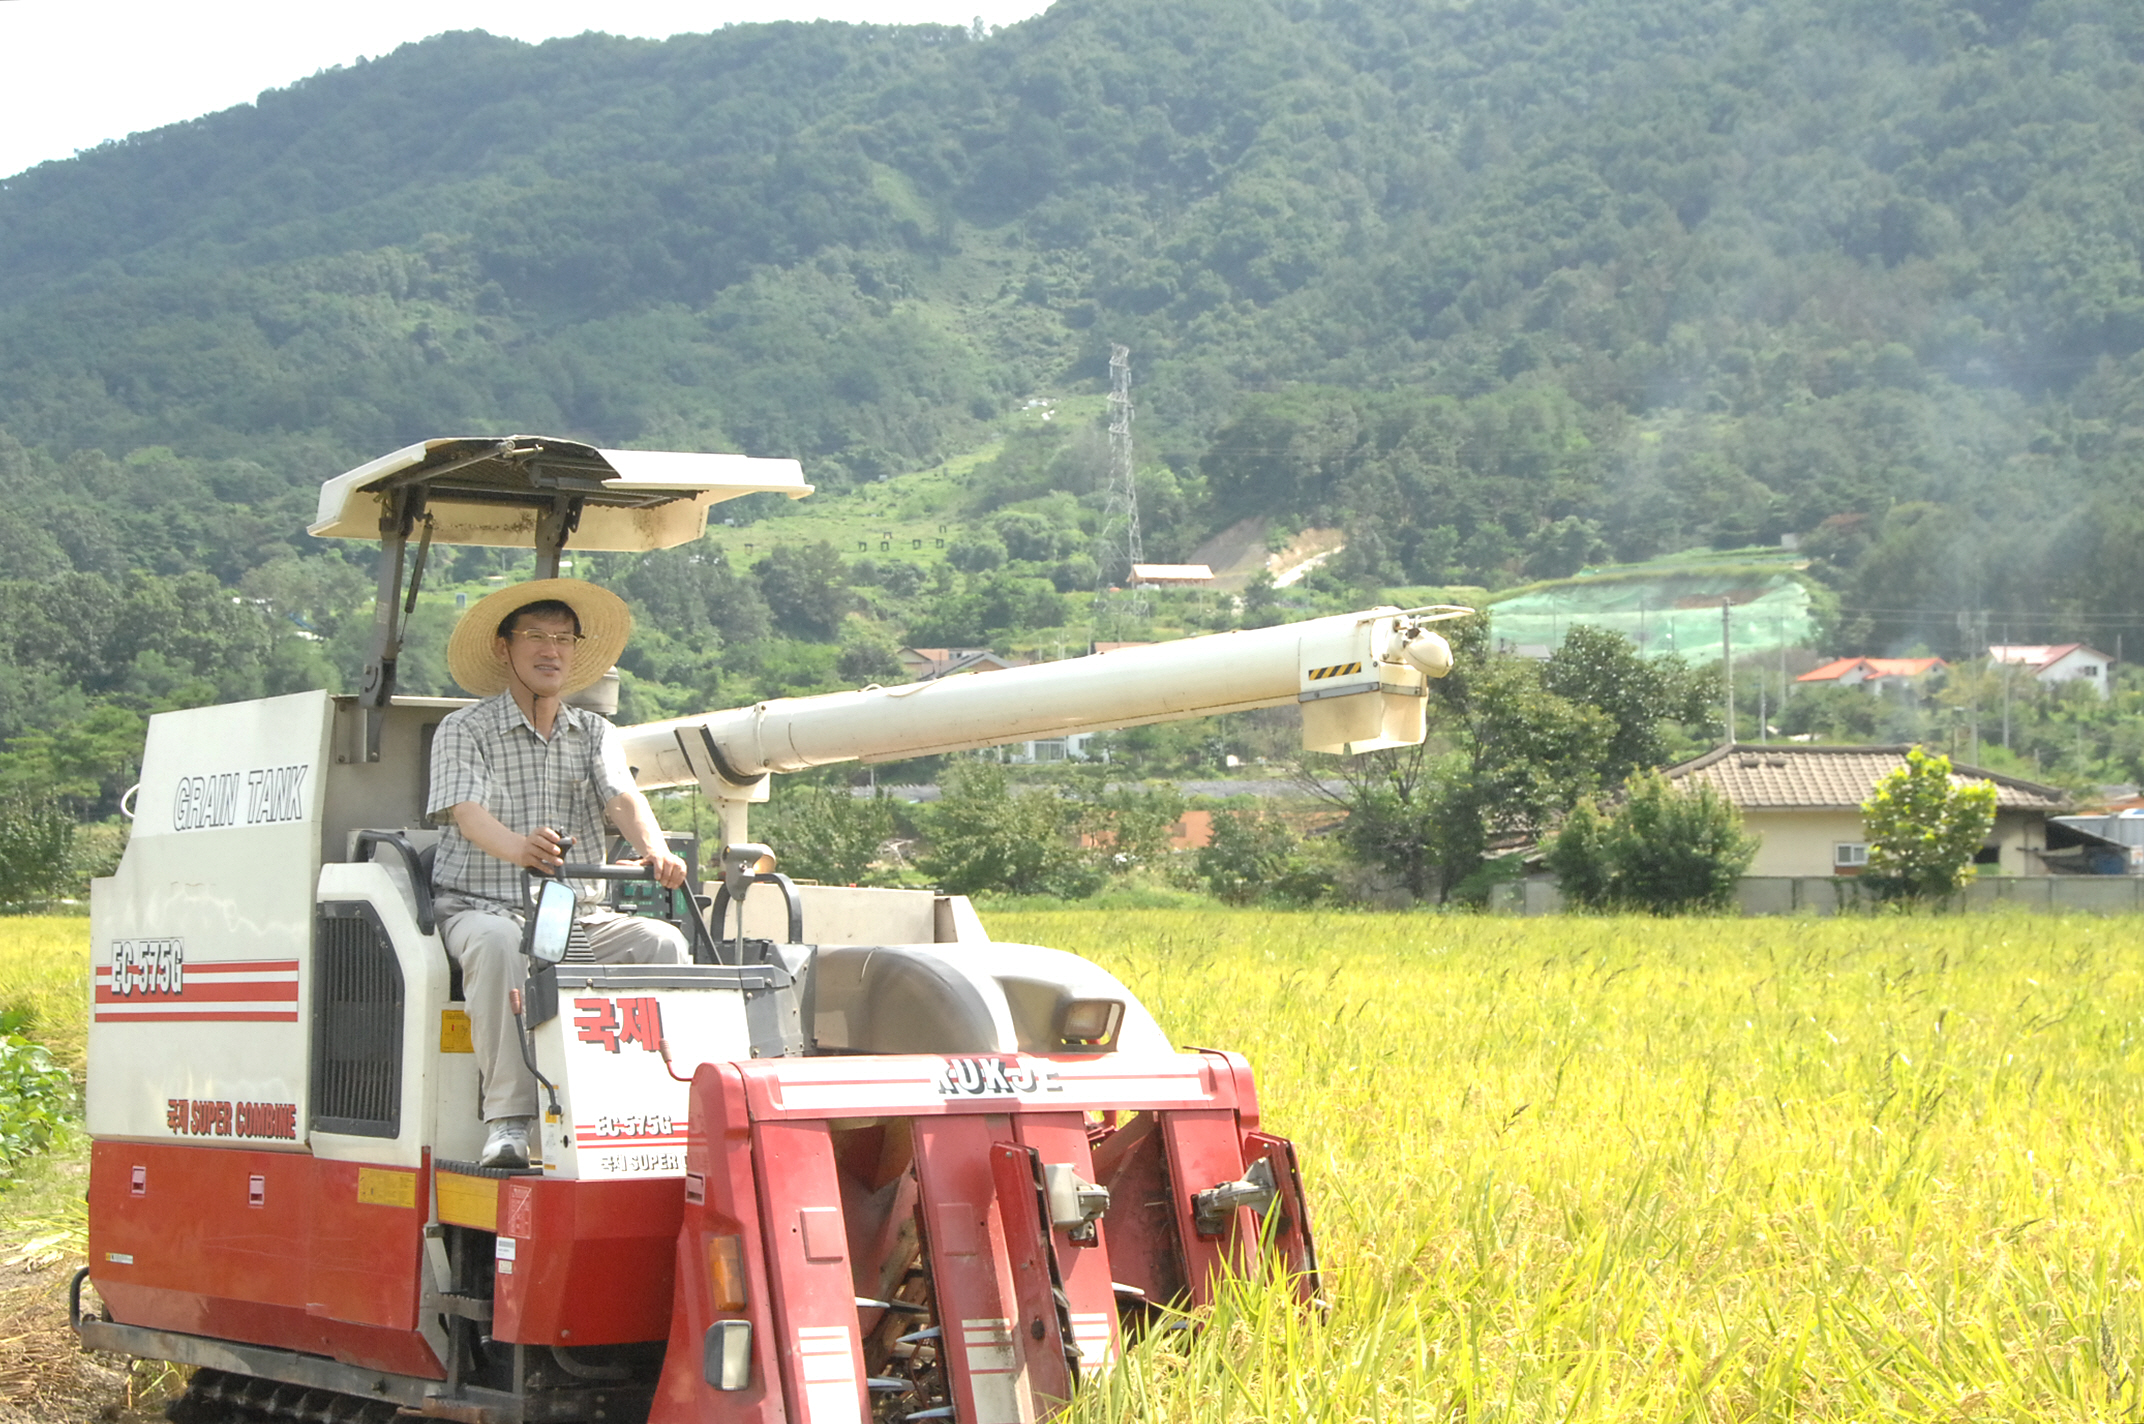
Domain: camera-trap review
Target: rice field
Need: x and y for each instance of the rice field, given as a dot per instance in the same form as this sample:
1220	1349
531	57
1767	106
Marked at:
1633	1170
1597	1169
44	982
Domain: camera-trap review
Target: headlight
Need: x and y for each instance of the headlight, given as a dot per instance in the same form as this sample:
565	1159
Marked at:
1090	1023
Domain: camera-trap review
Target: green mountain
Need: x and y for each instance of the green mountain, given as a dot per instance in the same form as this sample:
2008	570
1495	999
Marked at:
1497	288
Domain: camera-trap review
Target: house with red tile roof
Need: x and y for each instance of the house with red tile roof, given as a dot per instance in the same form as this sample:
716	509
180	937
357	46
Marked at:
1877	674
2053	663
1805	804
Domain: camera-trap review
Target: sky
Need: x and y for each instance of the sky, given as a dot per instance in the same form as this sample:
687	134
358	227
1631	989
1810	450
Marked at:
75	73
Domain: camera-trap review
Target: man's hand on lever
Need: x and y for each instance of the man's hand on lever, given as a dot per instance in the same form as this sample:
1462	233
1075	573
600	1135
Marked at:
543	850
669	869
629	812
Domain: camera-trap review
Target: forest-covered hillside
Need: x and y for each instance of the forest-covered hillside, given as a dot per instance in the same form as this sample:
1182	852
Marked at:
1499	288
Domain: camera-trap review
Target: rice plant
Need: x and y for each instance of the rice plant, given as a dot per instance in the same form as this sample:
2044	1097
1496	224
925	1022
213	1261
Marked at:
44	983
1632	1170
1600	1169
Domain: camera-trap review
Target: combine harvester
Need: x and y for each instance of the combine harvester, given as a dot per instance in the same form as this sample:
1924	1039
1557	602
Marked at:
855	1162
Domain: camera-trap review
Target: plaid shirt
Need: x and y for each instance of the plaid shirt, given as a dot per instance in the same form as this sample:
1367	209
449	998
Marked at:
490	754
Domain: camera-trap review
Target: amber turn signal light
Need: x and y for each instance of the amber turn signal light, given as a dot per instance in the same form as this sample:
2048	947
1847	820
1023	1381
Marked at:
725	1271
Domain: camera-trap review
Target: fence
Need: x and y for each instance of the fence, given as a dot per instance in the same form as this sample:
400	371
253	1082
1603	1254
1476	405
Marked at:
1833	895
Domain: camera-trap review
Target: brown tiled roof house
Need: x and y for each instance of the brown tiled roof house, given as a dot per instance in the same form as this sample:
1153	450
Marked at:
1805	802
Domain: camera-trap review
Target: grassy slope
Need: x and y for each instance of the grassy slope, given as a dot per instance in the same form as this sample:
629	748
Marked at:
1629	1170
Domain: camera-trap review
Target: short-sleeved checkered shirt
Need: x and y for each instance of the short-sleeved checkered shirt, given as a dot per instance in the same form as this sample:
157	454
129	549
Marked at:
490	754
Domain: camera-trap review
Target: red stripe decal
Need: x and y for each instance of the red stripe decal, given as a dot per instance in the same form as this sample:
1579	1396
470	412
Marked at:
227	966
589	1139
159	1014
275	991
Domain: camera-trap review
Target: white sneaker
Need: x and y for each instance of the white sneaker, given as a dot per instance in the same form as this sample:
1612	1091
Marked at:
507	1143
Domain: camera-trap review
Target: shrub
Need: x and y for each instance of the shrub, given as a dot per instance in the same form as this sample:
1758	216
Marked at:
35	1096
36	850
1665	851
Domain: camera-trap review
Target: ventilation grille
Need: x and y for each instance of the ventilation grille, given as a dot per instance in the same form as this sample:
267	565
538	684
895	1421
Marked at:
357	1024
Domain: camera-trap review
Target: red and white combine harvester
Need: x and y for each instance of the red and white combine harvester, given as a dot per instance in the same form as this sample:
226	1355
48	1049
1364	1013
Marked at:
855	1162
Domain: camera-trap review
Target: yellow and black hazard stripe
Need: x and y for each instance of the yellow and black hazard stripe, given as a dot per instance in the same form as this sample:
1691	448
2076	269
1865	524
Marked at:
1336	670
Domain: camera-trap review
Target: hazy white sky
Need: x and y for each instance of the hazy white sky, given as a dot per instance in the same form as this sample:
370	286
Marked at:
74	73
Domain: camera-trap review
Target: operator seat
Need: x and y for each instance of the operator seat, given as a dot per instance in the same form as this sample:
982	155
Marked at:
423	878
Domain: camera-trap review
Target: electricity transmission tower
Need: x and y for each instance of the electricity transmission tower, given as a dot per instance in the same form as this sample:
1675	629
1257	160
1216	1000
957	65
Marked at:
1120	512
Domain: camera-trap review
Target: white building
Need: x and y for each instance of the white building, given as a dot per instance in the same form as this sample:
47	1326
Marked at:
1045	750
2059	662
1172	576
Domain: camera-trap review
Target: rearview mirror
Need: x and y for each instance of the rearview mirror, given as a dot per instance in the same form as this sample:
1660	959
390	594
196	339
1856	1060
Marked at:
552	923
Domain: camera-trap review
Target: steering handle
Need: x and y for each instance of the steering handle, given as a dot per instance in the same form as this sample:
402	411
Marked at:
572	871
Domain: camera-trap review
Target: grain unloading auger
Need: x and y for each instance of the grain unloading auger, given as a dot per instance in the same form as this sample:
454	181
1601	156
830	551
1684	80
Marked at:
854	1162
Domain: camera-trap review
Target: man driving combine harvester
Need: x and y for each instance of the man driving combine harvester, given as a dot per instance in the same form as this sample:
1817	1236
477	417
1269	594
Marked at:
517	781
851	1160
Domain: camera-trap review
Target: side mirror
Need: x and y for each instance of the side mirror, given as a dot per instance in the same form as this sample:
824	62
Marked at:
552	923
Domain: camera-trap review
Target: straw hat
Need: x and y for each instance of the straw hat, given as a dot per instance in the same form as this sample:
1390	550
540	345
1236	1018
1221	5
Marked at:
605	625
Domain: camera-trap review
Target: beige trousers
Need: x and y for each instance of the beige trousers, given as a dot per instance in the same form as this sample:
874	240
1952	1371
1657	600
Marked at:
488	948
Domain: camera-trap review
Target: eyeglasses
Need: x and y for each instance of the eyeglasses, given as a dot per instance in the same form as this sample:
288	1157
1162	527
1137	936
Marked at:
556	640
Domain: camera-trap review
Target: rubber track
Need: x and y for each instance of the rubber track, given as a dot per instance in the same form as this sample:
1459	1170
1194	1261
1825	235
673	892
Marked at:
218	1397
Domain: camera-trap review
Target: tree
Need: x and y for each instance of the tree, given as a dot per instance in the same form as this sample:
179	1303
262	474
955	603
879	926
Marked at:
868	655
86	764
976	551
826	834
1255	855
1514	744
36	850
1665	851
1504	757
807	587
985	835
1579	858
1924	828
1131	825
1599	667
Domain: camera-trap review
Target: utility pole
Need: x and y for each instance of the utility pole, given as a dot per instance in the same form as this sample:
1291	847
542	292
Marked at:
1727	665
2006	687
1982	641
1781	626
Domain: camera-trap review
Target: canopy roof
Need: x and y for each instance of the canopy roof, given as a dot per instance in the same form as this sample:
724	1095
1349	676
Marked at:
493	491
